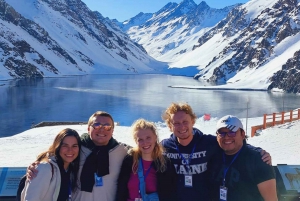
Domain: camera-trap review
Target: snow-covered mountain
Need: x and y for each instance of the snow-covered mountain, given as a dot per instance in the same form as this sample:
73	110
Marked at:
173	30
64	37
252	46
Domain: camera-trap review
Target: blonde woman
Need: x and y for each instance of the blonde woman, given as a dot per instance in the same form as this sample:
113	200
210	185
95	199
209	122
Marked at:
58	169
157	171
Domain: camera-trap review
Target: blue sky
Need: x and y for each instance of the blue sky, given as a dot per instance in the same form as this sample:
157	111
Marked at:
125	9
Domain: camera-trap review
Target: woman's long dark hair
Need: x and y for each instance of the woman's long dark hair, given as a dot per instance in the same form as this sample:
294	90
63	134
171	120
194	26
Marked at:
54	151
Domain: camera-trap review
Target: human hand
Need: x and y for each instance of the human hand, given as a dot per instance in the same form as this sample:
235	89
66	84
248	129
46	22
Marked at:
266	157
32	171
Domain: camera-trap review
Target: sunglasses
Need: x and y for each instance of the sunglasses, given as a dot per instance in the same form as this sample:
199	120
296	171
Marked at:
223	134
98	126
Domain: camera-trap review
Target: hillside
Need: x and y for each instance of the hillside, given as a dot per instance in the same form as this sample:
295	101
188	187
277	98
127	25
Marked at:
46	38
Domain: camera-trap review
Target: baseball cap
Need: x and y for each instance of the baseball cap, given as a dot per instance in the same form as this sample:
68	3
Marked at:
230	122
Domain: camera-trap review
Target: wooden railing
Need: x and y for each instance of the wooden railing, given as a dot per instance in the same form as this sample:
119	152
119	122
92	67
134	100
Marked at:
276	119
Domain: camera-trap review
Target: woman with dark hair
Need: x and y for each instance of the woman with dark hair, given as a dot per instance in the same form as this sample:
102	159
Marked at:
145	171
58	170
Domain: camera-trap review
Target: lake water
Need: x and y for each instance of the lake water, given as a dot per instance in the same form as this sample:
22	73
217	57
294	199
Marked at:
126	97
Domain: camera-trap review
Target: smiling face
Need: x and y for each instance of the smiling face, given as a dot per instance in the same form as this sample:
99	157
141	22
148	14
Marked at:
101	136
182	127
231	145
146	141
69	150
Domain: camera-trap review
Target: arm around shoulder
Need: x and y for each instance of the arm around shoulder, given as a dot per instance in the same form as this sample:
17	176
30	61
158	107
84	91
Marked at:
267	190
38	187
265	156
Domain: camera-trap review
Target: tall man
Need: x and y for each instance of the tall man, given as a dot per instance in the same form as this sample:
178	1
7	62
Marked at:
190	151
237	172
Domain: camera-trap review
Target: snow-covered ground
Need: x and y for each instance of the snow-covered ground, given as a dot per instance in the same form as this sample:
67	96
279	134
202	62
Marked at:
281	141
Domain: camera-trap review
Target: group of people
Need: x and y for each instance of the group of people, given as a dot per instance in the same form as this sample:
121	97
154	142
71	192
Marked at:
189	165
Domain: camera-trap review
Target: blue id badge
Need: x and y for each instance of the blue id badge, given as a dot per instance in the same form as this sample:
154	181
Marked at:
188	181
223	193
98	180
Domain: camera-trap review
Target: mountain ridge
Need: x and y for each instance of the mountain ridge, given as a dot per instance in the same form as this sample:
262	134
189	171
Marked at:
68	39
253	46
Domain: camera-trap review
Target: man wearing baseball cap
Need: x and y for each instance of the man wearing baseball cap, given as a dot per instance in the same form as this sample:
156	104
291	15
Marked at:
237	172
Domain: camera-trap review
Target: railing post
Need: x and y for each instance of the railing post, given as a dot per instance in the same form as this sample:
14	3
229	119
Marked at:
282	117
265	121
298	113
274	118
291	115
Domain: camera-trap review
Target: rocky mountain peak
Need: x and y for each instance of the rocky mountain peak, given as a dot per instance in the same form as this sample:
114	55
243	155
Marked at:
203	5
168	7
186	6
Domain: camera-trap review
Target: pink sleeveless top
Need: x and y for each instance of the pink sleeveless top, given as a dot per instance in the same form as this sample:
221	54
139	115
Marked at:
133	183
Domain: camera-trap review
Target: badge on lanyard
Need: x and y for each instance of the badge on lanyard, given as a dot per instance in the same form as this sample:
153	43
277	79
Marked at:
188	180
223	189
98	180
223	193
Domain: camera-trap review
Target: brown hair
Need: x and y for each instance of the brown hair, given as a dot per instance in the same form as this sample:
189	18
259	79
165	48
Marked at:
54	149
175	107
157	154
100	113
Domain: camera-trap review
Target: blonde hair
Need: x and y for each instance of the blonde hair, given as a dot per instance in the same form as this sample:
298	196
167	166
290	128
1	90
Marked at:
100	113
157	153
176	107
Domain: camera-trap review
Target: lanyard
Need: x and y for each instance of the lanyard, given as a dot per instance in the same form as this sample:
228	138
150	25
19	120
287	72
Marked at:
142	178
147	172
190	156
70	191
224	162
